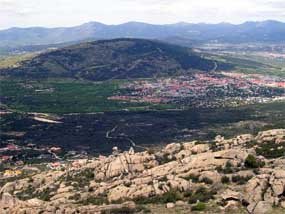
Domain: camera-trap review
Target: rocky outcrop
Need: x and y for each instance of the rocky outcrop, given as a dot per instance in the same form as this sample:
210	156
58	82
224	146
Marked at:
172	148
123	192
123	163
275	135
234	142
264	191
181	168
9	205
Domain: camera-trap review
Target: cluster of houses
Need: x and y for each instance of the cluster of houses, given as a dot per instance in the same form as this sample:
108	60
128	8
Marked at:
10	152
12	167
200	86
10	147
12	173
58	166
259	79
4	152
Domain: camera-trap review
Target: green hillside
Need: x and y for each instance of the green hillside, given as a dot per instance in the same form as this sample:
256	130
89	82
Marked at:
115	59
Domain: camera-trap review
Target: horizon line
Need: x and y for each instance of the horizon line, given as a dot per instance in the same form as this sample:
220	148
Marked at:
141	22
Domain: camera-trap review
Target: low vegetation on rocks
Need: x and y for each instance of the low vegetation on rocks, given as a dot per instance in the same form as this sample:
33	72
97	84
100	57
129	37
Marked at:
233	177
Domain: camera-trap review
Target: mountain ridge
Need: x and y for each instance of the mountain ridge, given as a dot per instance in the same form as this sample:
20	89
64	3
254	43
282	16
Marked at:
265	31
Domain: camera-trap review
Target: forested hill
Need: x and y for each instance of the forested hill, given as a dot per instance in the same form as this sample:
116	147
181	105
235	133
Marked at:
115	59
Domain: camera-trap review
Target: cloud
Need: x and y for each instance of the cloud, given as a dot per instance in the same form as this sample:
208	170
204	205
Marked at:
276	4
68	13
17	7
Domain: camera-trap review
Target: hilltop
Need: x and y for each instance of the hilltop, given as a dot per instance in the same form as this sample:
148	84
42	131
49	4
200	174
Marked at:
115	59
244	174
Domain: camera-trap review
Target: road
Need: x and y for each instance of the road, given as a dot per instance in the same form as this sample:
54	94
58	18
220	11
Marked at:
215	67
123	136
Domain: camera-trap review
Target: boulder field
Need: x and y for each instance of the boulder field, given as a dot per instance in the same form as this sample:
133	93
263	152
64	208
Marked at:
244	173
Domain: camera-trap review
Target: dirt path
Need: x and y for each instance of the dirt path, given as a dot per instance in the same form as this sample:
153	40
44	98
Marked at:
45	120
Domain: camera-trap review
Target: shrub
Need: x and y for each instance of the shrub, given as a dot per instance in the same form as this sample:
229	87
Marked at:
256	171
252	162
225	179
194	178
142	209
227	169
228	164
88	173
123	210
151	151
163	179
160	186
201	194
94	201
188	193
80	179
236	178
27	193
45	194
270	150
75	197
170	196
219	168
207	180
163	159
200	206
240	179
43	181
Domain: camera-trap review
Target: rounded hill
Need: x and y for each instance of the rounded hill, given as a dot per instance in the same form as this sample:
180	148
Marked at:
116	59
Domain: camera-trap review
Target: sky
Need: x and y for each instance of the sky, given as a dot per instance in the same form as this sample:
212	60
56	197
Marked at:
56	13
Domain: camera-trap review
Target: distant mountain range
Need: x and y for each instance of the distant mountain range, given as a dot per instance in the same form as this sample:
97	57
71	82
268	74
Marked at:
115	59
266	31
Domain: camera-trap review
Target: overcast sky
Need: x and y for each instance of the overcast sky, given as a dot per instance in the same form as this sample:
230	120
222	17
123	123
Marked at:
53	13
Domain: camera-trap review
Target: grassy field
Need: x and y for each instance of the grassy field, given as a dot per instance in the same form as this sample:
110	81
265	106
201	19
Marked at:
261	65
145	128
251	63
251	119
14	61
65	96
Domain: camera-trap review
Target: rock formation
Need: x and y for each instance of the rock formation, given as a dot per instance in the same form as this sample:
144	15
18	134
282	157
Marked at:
232	172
